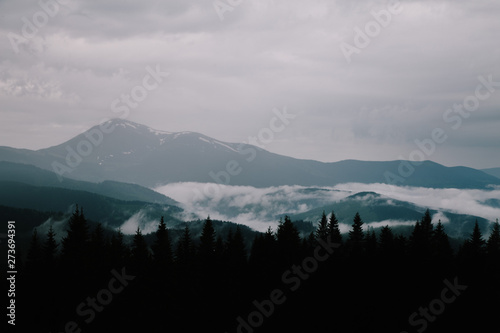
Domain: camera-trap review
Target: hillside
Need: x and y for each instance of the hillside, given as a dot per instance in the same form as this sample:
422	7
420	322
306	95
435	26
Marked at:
492	171
109	211
32	175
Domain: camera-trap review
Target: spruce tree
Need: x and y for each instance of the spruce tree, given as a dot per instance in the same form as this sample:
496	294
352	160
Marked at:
97	247
400	246
308	244
334	230
75	244
426	225
426	232
236	250
416	242
493	243
441	249
219	250
257	252
386	242
288	240
162	248
473	248
140	256
322	230
206	248
184	253
263	254
475	244
49	249
265	262
118	252
34	258
356	236
371	242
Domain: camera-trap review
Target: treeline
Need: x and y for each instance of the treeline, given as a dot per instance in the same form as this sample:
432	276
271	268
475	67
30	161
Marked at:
327	281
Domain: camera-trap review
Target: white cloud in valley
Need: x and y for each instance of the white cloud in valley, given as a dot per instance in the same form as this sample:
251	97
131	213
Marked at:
260	207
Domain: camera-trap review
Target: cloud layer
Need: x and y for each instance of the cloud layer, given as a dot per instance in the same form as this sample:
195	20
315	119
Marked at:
264	54
259	208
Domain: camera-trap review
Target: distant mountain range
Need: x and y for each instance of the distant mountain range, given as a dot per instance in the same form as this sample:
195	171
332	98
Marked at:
374	207
128	152
492	171
111	168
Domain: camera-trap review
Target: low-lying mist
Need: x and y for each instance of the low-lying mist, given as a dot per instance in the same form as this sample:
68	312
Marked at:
260	208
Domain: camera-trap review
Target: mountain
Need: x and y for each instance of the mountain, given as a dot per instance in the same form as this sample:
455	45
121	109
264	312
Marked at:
492	171
32	175
109	211
400	215
124	151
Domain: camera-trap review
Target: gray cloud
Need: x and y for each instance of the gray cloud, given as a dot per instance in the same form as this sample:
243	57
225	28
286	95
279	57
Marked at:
255	207
265	54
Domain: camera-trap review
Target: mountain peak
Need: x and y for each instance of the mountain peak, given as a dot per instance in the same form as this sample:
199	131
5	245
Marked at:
364	195
122	150
124	123
127	124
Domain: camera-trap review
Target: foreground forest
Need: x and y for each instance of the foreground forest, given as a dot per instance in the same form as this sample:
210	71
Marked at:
326	282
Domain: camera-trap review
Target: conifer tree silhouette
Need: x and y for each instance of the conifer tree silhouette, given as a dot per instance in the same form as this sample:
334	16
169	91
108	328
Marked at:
118	252
162	248
97	250
400	246
309	243
34	256
356	236
75	245
50	277
236	249
264	252
426	229
371	244
416	242
140	255
493	243
288	241
49	249
185	249
334	229
475	245
206	249
322	230
440	244
386	242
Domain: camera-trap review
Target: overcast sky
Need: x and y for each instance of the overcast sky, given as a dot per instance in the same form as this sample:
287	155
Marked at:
230	67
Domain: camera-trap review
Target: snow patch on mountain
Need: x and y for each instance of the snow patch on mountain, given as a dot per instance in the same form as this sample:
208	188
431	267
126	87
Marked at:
158	132
226	146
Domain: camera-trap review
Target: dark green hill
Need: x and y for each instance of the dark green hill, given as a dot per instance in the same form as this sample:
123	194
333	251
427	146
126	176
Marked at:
32	175
110	211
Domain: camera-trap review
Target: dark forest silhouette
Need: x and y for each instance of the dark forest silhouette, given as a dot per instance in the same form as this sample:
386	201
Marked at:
370	282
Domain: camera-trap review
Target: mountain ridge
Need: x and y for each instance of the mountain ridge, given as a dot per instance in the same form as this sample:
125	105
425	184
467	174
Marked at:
124	151
492	171
31	175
